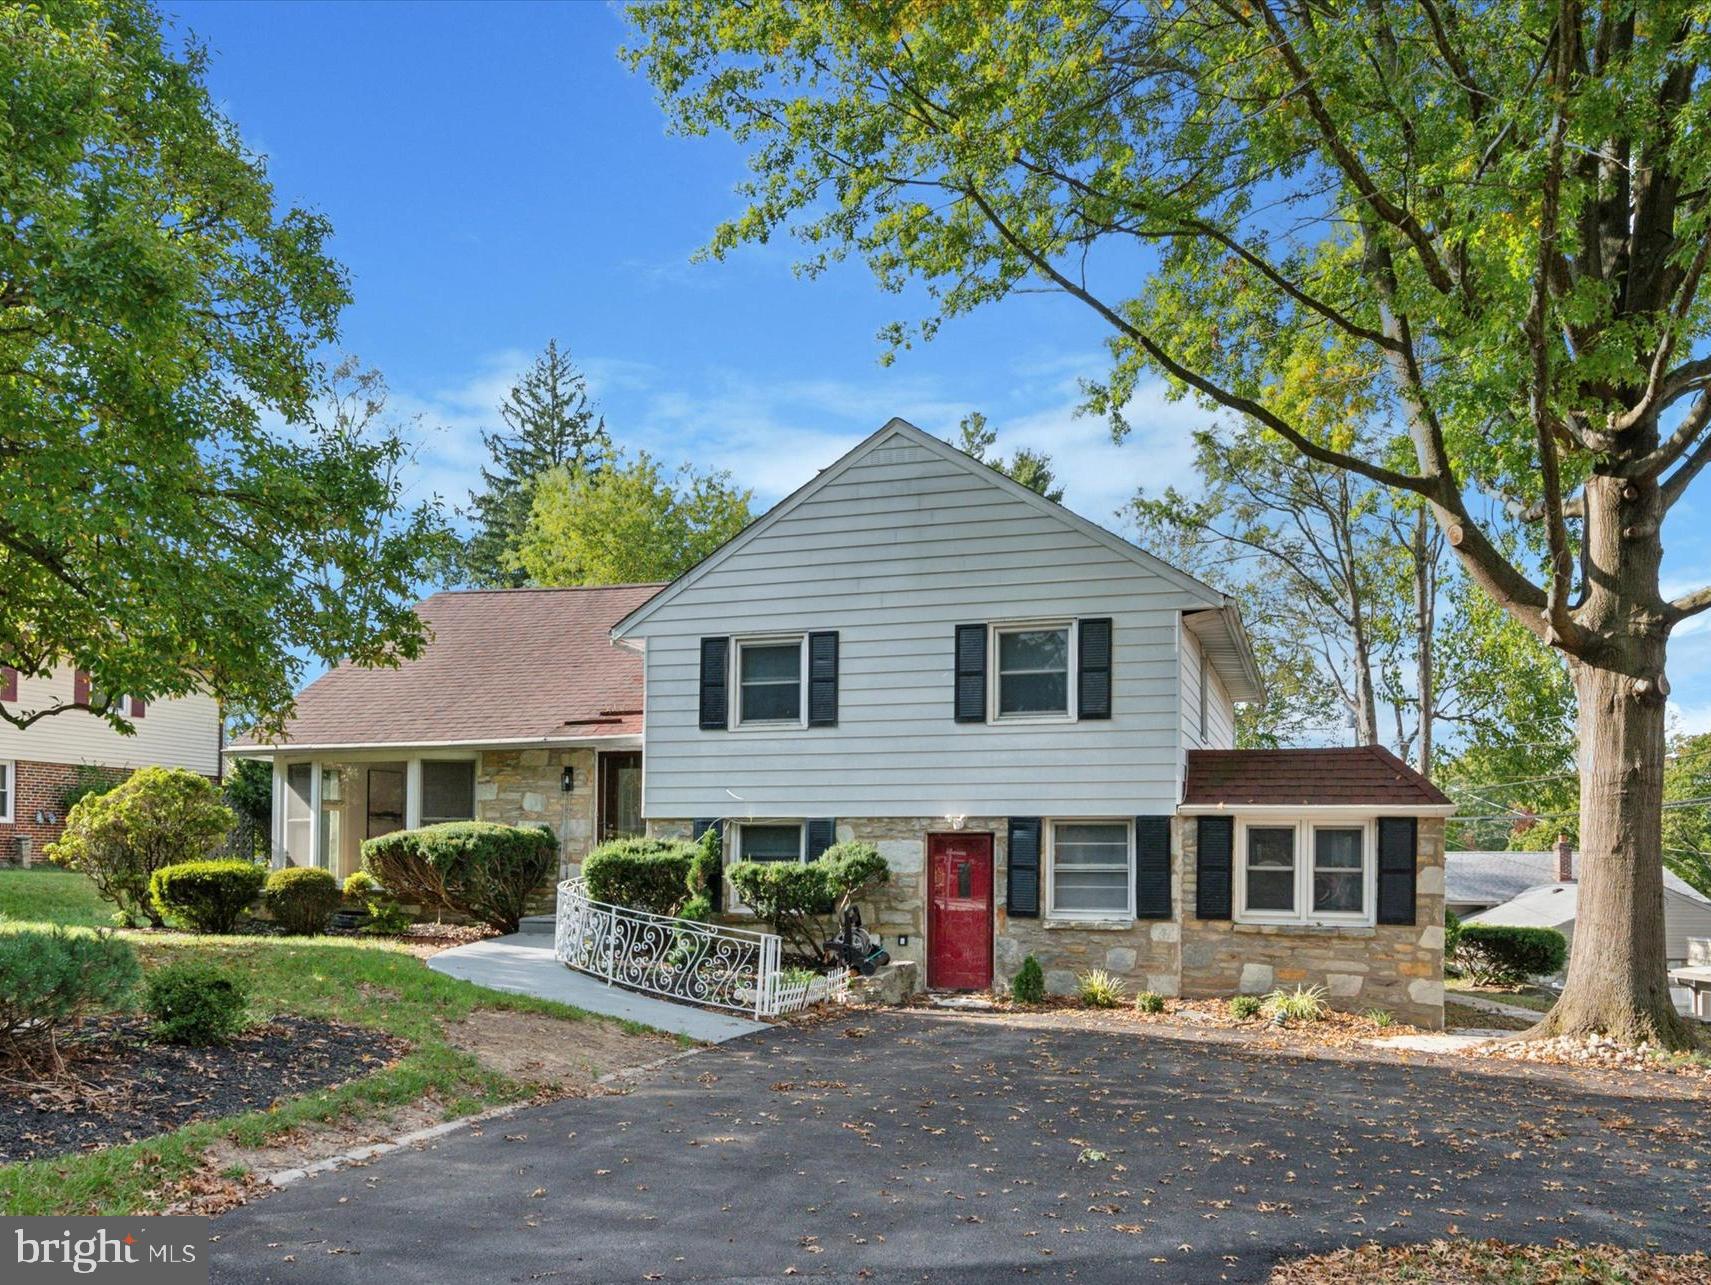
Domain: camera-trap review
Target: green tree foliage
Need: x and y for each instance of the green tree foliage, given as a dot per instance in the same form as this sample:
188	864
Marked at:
1031	468
156	817
627	523
1687	810
549	423
159	319
1489	226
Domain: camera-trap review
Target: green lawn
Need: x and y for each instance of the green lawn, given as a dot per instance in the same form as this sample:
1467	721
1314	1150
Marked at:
371	983
46	894
1536	998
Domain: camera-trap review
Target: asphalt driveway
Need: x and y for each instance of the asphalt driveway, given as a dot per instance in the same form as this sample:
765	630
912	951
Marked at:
928	1147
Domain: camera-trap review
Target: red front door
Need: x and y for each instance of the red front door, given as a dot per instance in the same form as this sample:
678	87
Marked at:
959	912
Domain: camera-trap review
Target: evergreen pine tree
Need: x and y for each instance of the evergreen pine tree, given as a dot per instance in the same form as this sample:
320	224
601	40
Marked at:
549	421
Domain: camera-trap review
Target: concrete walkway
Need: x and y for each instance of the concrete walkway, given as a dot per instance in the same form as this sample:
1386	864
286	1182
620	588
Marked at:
523	964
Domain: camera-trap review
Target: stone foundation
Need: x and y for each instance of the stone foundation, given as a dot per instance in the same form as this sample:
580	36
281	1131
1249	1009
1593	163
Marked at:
1394	967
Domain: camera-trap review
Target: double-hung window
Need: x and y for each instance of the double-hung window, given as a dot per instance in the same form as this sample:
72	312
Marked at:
769	841
1091	866
8	788
769	681
1034	676
1305	871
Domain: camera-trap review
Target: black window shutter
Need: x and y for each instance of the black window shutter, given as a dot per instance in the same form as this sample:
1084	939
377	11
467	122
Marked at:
1398	848
1022	883
823	679
822	834
1152	867
716	893
715	693
1093	656
1212	866
971	673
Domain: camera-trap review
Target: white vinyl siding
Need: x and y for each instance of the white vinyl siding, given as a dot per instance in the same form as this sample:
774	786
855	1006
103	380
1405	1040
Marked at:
1220	730
895	552
171	733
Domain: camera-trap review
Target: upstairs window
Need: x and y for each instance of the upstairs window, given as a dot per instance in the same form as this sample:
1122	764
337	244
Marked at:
1033	671
769	682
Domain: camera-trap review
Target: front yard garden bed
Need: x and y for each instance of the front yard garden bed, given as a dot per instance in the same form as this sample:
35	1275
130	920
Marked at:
121	1085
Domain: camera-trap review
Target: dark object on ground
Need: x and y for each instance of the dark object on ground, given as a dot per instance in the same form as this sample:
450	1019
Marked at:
129	1087
302	899
50	979
208	896
854	948
931	1146
193	1002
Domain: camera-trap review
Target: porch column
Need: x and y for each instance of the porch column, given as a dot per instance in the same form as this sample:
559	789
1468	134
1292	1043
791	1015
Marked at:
413	794
276	825
314	858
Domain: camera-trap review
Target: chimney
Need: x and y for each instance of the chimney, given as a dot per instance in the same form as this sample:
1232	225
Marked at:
1565	859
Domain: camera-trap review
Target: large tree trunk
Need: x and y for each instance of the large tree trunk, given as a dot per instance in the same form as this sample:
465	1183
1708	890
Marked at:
1617	976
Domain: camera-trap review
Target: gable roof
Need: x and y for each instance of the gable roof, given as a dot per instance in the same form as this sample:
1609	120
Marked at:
502	666
1363	775
1243	677
1492	878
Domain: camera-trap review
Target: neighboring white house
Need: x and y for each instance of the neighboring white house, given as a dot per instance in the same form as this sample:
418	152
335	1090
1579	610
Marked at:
39	763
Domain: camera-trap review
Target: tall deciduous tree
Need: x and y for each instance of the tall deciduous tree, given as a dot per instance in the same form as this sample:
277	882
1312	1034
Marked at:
1031	468
1494	223
627	523
549	421
159	317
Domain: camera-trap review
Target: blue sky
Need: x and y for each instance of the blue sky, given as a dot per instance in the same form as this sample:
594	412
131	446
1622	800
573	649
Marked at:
496	177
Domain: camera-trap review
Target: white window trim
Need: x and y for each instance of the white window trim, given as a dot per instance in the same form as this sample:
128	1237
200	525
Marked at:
1304	914
736	721
994	687
1050	826
9	768
801	835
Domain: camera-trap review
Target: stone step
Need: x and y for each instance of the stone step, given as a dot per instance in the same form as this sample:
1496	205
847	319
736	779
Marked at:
540	924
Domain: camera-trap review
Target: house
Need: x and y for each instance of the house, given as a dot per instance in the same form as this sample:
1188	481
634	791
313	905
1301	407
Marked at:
40	763
1031	718
521	710
1540	889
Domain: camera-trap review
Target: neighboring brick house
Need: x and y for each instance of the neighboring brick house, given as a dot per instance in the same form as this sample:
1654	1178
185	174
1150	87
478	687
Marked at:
39	763
1032	719
521	710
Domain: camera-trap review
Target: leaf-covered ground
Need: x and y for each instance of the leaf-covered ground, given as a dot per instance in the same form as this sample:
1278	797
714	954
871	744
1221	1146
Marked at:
1471	1262
915	1145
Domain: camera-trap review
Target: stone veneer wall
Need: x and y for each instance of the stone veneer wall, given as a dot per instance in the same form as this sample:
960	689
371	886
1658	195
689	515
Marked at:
1397	967
521	787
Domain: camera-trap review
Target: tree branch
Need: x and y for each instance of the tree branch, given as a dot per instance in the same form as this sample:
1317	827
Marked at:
1676	484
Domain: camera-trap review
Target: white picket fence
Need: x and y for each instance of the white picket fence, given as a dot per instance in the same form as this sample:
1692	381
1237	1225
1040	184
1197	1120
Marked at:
681	959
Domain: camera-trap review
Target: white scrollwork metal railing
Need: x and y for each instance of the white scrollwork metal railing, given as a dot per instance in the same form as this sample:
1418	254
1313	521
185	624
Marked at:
681	959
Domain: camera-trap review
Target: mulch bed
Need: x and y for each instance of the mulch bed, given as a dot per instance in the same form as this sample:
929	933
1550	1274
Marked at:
121	1086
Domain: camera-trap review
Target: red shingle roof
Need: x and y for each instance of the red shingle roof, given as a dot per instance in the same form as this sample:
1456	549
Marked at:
1367	774
502	665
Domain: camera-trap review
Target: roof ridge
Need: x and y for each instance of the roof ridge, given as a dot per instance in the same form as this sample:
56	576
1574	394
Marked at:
571	588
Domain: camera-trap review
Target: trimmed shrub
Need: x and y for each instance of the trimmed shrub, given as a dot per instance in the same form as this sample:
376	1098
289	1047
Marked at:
49	979
475	868
157	817
1499	954
360	886
706	872
1100	989
301	899
195	1002
805	901
1149	1002
208	896
1029	984
642	874
1245	1008
1303	1004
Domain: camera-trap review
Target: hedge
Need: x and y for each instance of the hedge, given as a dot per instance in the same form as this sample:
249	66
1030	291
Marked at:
1502	954
301	899
208	896
804	900
642	874
475	868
